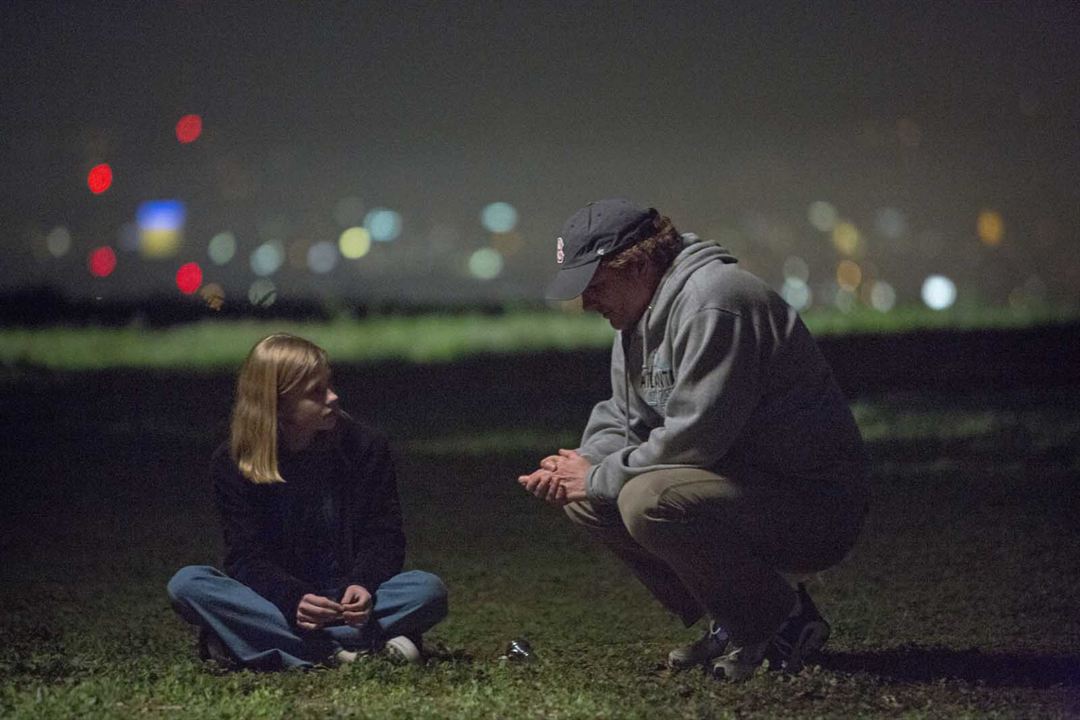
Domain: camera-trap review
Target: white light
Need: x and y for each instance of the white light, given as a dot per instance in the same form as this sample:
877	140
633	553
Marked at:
938	292
499	217
796	293
882	296
822	215
486	264
222	247
322	257
58	241
384	225
267	258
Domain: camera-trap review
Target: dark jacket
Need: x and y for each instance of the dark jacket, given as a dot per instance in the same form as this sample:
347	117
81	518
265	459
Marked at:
334	522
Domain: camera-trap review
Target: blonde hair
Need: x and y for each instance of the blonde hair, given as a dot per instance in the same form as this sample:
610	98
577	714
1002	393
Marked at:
277	364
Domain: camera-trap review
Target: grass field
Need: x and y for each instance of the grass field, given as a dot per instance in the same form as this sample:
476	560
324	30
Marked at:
424	338
959	601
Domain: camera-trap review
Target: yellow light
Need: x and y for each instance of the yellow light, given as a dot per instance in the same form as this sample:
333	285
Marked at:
159	242
848	275
355	243
991	227
845	237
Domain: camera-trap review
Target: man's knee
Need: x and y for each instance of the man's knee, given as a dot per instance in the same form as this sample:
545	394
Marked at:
638	503
592	516
664	500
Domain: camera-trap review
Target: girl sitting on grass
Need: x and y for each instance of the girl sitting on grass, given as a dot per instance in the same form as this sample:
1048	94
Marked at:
313	540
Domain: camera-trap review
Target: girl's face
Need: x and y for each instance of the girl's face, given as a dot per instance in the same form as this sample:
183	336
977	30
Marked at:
308	408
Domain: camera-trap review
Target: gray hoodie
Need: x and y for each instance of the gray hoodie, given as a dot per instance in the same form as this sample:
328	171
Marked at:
720	372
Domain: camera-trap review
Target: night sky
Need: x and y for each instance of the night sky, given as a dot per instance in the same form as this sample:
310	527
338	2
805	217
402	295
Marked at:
856	148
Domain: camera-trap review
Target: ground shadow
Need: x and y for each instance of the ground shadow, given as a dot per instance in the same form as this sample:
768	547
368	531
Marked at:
930	664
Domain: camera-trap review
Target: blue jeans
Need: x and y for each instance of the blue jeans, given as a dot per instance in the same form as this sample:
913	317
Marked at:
258	635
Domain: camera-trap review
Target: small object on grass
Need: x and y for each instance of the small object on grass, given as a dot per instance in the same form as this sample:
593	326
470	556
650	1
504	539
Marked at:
518	650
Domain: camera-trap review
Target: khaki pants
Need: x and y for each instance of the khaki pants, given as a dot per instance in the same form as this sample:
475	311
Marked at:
717	544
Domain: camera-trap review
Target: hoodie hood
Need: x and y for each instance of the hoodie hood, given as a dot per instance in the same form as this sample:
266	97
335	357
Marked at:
696	253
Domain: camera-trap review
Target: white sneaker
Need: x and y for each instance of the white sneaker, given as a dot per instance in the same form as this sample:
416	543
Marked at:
740	663
706	648
402	650
341	657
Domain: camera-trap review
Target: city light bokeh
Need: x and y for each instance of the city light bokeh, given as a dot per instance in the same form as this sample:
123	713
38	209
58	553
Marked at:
267	258
102	262
355	243
189	278
222	248
938	292
188	129
334	187
383	224
161	225
100	178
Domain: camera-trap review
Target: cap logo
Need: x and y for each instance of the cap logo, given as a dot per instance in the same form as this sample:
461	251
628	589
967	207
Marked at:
559	254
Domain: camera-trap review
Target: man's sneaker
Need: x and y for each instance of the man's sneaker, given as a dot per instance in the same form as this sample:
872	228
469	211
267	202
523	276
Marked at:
706	648
739	663
401	649
801	635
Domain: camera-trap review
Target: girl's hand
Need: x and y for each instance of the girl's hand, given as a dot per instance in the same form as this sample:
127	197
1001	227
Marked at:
316	611
356	605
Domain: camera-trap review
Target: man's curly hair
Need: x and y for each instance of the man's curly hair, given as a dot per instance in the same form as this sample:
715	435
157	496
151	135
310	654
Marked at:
658	250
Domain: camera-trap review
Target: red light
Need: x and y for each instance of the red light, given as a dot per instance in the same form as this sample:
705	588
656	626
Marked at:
188	129
189	278
100	178
102	262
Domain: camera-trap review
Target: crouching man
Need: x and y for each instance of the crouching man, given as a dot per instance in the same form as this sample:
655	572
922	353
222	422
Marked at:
726	458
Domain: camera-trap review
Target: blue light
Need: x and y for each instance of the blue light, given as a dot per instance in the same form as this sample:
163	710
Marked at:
384	225
161	215
499	217
267	258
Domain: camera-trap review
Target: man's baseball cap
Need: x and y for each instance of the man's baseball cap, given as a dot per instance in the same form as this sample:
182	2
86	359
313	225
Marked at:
599	229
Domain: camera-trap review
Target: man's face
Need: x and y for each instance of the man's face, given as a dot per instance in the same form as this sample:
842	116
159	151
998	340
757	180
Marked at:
621	296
